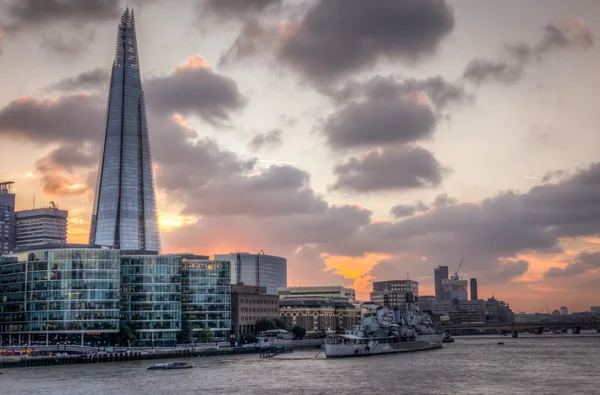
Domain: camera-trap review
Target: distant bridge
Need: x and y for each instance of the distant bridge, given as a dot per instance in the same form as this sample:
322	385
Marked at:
515	327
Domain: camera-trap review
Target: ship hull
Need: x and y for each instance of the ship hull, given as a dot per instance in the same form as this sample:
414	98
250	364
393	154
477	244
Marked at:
421	343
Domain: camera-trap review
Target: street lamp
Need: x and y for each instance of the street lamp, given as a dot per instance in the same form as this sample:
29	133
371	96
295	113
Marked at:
128	345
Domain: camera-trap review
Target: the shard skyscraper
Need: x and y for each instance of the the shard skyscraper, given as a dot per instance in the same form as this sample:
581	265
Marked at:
124	214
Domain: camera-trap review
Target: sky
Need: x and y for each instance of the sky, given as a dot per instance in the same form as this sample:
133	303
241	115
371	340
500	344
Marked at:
361	140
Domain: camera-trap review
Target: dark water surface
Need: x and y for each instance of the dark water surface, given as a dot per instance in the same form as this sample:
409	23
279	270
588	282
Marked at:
544	364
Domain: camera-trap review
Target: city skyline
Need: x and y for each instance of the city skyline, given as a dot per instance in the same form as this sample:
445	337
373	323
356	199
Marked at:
263	141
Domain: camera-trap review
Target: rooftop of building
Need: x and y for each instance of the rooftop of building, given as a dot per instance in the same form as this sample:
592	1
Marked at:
241	288
314	287
58	246
48	211
315	303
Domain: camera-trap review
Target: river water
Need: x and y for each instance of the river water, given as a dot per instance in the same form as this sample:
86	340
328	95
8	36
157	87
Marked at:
531	364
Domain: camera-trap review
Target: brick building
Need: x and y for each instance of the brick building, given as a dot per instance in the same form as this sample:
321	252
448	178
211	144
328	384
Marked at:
249	304
317	316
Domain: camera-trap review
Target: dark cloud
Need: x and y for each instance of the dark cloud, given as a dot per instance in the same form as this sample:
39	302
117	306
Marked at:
568	34
65	119
379	121
59	173
88	80
194	88
407	210
26	14
444	200
506	270
402	168
66	46
481	70
491	232
434	90
175	153
237	8
69	157
583	263
554	175
271	139
256	36
403	210
336	38
276	191
385	111
227	185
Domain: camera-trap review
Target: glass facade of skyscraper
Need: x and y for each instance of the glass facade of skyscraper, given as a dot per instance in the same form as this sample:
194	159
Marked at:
206	296
124	214
151	297
59	295
262	270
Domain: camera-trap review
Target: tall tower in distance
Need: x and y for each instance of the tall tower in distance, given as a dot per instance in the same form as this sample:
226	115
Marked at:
7	218
440	273
124	214
473	286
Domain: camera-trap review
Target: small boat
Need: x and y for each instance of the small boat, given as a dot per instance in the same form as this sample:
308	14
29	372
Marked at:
500	343
171	365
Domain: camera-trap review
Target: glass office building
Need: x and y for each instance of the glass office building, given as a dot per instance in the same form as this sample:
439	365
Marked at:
124	213
151	297
59	294
258	270
206	296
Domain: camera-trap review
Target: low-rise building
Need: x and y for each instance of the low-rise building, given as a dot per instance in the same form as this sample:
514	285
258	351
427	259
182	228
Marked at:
459	311
250	304
425	302
595	309
39	226
319	316
336	292
393	293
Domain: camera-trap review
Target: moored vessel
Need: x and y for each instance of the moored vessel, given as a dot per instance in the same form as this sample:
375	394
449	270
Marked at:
170	365
387	331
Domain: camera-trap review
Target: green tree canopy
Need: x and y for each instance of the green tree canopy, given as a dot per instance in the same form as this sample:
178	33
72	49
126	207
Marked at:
185	334
298	332
280	324
126	333
206	336
264	324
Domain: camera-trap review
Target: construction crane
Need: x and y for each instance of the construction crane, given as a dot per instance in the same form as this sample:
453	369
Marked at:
54	207
455	276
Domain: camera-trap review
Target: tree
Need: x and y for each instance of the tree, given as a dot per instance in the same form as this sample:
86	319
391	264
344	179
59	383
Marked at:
280	324
298	332
248	338
127	333
264	324
185	334
206	336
